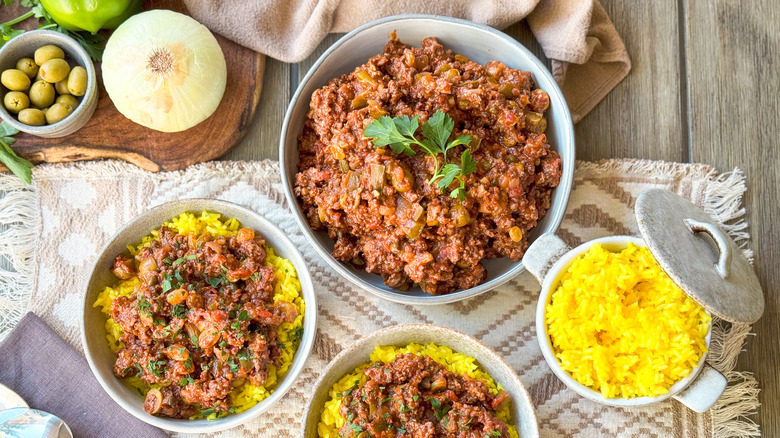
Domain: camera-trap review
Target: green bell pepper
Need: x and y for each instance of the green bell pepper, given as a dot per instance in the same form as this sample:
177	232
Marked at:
91	15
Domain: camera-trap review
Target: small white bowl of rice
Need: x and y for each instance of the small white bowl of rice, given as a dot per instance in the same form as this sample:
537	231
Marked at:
627	321
616	330
351	378
183	354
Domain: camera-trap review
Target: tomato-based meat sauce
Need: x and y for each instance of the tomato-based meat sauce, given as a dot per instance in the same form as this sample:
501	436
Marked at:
202	322
416	396
386	211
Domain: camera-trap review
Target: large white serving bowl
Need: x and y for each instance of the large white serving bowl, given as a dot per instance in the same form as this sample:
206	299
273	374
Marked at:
480	44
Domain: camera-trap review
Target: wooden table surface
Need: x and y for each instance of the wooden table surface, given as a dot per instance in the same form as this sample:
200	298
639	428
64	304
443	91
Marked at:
704	88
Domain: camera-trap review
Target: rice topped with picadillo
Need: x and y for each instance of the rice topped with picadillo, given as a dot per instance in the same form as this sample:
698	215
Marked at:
206	318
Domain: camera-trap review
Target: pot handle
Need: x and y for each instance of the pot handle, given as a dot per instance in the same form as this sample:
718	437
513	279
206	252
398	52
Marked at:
543	253
704	391
724	249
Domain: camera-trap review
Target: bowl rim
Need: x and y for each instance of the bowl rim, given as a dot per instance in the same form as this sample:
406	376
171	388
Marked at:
563	190
73	48
551	279
282	386
369	340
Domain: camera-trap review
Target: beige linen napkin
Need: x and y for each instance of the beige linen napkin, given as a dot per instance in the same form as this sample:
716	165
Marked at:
73	209
588	56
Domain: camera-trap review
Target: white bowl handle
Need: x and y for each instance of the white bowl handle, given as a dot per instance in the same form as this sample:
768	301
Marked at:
704	391
543	253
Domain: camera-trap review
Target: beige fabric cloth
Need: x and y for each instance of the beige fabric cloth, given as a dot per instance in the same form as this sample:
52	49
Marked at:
73	210
588	57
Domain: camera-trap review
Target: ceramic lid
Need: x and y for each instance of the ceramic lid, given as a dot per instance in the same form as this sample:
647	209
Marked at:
699	256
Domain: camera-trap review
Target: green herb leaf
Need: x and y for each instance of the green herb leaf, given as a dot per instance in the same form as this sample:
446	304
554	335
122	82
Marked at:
399	133
438	128
214	282
387	131
356	428
19	166
179	311
448	173
467	164
156	367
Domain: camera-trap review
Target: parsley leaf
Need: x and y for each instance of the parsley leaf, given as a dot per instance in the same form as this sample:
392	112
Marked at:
395	132
439	409
179	311
448	172
399	134
19	166
356	428
156	367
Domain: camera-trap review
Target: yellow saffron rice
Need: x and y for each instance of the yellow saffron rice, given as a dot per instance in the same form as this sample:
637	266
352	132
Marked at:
286	288
620	326
331	420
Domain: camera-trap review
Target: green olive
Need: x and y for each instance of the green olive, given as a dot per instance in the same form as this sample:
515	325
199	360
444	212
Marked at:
28	66
32	117
37	76
55	70
67	99
16	101
15	80
46	53
77	81
57	112
61	87
42	94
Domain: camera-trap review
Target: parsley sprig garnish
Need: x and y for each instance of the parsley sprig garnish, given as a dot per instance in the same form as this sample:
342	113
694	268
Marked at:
399	134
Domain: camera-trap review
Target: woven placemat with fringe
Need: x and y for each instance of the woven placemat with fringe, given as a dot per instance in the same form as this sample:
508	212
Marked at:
51	232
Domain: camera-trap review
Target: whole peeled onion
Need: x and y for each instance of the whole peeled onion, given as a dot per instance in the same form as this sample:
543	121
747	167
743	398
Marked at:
164	70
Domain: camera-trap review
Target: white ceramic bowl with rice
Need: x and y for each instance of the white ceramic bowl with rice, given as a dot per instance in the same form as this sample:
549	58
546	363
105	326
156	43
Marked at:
101	358
627	315
523	414
701	393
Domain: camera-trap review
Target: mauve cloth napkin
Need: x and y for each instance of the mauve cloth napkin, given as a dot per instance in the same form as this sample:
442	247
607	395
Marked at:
49	375
588	57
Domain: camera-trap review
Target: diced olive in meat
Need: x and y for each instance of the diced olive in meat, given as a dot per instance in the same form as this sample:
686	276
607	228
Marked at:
153	401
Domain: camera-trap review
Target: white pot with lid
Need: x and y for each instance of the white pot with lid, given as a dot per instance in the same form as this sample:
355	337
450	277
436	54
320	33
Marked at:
698	256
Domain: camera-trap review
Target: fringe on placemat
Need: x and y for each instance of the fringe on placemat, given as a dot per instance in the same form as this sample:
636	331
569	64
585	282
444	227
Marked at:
740	399
723	201
18	222
722	196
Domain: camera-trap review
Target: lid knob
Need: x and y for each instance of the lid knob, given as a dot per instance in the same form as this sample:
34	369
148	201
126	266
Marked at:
724	249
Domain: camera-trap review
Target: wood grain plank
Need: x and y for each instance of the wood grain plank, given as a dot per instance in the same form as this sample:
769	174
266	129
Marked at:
641	117
262	139
733	53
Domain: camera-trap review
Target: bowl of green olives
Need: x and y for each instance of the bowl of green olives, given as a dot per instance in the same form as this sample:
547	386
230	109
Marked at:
48	84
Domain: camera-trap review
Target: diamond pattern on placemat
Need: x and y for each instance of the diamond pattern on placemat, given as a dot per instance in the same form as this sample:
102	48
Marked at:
80	209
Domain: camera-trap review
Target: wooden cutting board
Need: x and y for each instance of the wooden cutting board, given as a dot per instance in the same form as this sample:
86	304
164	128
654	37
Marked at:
110	135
